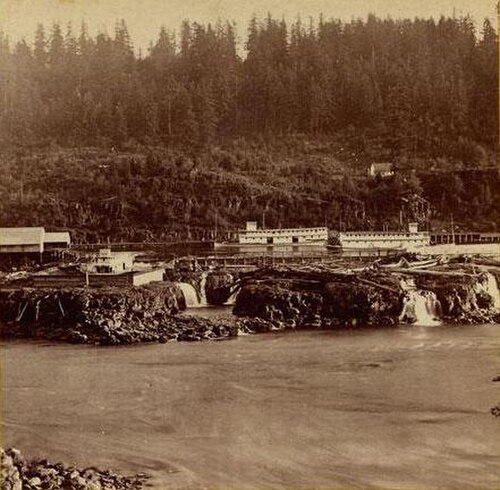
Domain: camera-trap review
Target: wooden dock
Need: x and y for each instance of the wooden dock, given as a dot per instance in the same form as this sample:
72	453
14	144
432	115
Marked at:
165	247
269	259
260	260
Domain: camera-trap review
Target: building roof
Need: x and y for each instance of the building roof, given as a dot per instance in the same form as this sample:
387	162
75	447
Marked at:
57	237
21	236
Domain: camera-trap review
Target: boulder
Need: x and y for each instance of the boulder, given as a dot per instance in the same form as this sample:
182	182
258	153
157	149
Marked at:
219	286
16	474
9	474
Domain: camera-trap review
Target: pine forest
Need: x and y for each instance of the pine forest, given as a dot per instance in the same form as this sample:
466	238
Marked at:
218	124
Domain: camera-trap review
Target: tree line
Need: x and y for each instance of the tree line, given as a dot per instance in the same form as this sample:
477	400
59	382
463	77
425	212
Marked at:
197	135
410	87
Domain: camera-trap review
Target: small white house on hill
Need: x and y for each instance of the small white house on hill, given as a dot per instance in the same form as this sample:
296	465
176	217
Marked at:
383	169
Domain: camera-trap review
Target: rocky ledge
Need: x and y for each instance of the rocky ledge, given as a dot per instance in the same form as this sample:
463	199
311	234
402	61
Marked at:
298	297
268	299
112	316
17	473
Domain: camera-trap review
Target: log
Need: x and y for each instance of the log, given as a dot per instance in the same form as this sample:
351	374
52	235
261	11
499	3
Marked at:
61	307
37	310
377	285
20	316
433	273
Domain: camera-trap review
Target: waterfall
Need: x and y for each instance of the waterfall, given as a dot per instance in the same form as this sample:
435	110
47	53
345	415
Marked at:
203	289
190	295
420	307
232	299
234	291
491	287
487	283
426	308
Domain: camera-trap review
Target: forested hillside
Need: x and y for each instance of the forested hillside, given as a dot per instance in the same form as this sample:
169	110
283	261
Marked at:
96	135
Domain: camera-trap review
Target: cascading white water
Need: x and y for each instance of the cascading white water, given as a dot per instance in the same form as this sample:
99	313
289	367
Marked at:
232	299
487	283
203	289
491	287
420	307
190	295
425	308
234	293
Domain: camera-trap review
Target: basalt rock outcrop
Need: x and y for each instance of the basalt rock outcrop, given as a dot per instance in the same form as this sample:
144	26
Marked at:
18	473
279	303
190	277
292	298
464	298
10	479
220	285
107	315
317	297
111	316
269	299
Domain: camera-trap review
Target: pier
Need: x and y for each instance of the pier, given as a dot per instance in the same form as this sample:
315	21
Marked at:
143	246
271	258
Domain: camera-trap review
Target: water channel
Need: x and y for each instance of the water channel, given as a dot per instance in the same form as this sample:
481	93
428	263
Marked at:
405	407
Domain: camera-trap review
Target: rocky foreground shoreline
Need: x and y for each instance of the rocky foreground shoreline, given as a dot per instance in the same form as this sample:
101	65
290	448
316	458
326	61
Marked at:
269	299
18	473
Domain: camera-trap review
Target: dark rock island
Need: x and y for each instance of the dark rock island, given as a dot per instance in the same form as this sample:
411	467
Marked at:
279	298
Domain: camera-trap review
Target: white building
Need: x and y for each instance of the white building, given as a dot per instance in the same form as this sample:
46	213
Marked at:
56	239
31	240
117	269
384	169
281	236
22	240
385	239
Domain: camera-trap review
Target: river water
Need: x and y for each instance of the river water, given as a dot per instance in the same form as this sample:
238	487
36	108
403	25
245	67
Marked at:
405	408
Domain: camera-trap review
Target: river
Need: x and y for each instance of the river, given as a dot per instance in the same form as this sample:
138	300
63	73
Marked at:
406	408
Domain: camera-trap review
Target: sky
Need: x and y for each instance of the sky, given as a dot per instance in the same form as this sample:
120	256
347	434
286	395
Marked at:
18	18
